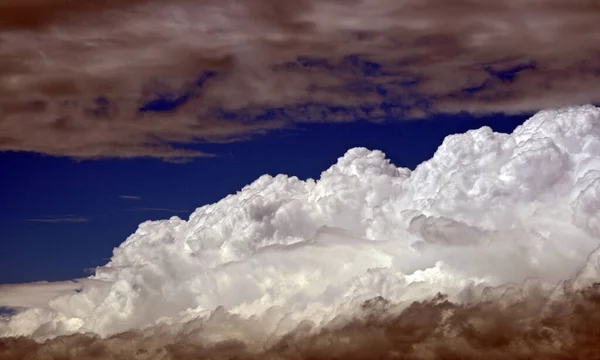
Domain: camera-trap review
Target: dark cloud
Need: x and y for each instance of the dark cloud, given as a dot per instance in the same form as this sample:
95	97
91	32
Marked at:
144	78
517	325
59	219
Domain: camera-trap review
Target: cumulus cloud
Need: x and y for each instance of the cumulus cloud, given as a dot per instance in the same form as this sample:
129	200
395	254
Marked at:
505	226
143	78
59	219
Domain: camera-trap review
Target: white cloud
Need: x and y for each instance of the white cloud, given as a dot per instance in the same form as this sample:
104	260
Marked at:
38	294
488	209
59	219
160	209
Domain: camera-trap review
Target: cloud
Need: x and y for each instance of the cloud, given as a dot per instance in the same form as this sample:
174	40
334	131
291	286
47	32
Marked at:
505	225
432	329
59	219
160	209
130	197
38	294
139	78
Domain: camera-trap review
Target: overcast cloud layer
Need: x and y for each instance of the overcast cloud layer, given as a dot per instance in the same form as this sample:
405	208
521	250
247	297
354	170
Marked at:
96	78
506	225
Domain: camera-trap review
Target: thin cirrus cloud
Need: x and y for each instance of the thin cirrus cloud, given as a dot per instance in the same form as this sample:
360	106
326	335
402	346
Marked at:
130	197
59	219
147	78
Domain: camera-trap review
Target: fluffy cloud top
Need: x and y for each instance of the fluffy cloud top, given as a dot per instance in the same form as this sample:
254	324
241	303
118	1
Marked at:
488	210
139	78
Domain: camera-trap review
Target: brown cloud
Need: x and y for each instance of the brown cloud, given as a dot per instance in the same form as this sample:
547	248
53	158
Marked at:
74	74
517	325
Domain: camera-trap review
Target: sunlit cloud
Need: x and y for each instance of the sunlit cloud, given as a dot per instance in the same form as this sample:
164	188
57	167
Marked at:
489	247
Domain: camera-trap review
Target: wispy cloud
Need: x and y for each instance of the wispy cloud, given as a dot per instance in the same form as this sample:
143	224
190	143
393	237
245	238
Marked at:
160	209
59	219
130	197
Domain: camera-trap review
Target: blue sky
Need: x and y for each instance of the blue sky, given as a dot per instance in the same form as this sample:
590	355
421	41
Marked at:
38	187
59	217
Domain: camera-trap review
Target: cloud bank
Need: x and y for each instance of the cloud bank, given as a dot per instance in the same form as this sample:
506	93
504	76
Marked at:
506	226
144	78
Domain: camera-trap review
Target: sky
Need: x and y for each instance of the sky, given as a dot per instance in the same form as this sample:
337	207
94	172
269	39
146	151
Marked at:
86	80
182	172
61	217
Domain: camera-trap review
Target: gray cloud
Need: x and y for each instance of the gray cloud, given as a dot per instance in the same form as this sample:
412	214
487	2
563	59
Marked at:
127	78
59	219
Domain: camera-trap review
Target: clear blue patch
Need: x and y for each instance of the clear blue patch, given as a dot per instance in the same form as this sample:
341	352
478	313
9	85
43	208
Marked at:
510	74
170	102
165	102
